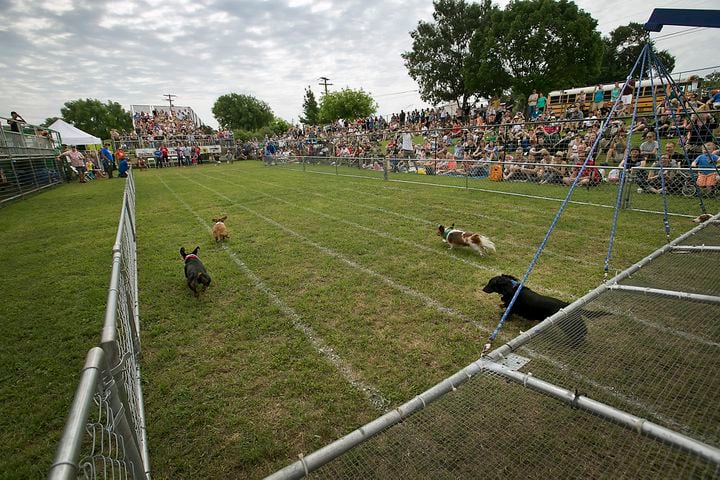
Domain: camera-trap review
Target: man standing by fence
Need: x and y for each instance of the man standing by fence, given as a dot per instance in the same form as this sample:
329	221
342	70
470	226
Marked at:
108	162
77	161
269	152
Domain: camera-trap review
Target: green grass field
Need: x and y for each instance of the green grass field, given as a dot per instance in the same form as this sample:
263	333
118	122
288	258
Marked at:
333	298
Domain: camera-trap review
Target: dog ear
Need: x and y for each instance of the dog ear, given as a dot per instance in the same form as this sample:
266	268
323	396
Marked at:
453	225
223	218
215	220
182	252
197	249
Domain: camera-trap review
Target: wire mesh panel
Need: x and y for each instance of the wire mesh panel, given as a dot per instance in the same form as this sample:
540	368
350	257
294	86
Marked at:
621	384
492	428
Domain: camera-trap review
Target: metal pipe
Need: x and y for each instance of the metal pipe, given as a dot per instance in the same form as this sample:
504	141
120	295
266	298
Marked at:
695	297
65	464
608	412
696	248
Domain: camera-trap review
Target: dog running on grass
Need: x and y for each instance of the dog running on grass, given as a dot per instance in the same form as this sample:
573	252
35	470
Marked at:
195	272
702	218
453	237
533	306
219	230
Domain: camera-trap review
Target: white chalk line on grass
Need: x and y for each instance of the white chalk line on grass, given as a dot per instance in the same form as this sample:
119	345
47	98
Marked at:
371	393
435	251
428	300
647	323
379	233
547	251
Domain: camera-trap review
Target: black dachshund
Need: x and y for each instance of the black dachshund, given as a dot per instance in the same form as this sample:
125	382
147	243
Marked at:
533	306
195	272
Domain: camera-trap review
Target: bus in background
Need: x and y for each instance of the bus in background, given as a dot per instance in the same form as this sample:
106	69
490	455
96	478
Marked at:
560	100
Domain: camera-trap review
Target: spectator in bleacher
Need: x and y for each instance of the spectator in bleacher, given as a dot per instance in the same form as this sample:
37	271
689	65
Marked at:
598	98
627	92
650	147
706	163
668	176
15	121
615	93
532	104
541	103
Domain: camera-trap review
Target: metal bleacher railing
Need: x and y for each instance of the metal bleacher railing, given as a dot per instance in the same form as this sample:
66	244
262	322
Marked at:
28	160
105	434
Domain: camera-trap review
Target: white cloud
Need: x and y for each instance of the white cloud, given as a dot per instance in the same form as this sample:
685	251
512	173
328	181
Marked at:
134	51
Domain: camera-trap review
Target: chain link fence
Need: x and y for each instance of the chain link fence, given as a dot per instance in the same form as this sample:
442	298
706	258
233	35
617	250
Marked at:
105	435
620	384
643	187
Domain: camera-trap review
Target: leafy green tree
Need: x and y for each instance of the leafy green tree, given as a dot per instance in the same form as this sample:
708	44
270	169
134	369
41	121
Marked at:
712	80
49	121
311	110
622	48
244	112
95	117
539	44
279	126
347	104
440	49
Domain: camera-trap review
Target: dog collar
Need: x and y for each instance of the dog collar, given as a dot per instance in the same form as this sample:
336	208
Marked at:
514	284
191	256
447	233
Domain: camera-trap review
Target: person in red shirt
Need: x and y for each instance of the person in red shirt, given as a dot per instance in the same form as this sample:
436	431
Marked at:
164	156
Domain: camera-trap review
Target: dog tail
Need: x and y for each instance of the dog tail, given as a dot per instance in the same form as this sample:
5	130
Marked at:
483	241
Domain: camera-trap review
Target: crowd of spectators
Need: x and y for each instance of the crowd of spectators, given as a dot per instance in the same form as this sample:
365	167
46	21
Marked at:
538	145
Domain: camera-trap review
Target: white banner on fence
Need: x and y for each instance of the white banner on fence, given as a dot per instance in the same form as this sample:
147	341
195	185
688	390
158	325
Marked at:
150	152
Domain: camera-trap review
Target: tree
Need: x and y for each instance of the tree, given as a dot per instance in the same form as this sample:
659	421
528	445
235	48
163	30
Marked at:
440	50
95	117
346	104
712	80
242	112
622	48
311	110
279	126
539	44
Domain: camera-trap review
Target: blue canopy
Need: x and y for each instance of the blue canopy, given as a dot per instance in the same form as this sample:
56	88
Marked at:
681	16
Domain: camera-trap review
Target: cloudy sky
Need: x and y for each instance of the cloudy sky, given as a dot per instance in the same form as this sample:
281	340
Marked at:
134	51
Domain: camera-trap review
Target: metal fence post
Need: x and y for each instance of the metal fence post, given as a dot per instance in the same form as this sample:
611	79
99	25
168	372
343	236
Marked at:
385	169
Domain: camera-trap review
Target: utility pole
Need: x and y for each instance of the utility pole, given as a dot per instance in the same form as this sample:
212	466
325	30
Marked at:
169	98
324	83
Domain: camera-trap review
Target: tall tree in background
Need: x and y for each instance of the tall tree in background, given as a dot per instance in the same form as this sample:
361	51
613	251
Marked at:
440	50
95	117
712	80
620	50
346	104
243	112
540	44
311	110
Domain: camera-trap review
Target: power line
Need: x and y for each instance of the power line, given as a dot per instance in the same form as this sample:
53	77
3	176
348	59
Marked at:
679	34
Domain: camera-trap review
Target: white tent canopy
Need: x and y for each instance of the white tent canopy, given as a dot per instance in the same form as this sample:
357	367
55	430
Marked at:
71	135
